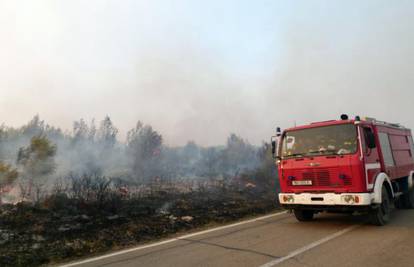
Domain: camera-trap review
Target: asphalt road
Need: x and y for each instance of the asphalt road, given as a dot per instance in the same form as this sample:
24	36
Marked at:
279	240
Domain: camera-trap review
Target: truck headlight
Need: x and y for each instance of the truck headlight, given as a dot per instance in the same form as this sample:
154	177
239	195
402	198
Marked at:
350	199
288	199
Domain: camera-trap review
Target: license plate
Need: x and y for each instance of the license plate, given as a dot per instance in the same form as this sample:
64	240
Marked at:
304	182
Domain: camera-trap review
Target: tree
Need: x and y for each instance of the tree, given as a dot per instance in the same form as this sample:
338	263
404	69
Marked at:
92	131
34	127
7	176
189	158
266	174
3	140
37	162
107	133
238	155
80	131
144	148
209	164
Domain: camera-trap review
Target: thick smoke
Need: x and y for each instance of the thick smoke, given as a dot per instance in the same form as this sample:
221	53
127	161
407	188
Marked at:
44	154
349	57
193	77
322	59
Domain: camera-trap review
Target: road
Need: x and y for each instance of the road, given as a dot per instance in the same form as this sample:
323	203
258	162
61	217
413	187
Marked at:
279	240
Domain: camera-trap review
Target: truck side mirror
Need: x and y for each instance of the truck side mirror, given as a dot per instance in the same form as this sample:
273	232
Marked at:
274	143
278	131
274	148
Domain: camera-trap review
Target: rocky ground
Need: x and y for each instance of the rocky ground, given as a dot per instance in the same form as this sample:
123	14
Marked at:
62	228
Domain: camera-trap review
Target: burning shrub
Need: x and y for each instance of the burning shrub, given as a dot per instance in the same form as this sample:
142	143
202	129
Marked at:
37	162
7	177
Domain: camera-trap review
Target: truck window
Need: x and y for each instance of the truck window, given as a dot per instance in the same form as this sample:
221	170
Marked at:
386	149
410	139
327	140
369	137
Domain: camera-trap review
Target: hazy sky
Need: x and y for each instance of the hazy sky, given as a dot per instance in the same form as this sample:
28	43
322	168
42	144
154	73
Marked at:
199	70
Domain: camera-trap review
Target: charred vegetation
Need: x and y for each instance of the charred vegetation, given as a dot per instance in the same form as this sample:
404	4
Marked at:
67	195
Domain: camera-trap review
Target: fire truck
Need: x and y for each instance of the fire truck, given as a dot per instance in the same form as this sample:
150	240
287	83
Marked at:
346	165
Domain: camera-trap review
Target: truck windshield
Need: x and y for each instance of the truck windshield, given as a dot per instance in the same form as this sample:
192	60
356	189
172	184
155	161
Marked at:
336	139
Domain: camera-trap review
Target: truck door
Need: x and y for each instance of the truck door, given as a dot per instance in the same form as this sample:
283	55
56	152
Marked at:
371	158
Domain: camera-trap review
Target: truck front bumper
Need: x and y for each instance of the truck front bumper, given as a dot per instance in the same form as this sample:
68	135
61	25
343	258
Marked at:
326	199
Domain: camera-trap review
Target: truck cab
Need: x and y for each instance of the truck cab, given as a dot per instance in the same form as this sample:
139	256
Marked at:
345	165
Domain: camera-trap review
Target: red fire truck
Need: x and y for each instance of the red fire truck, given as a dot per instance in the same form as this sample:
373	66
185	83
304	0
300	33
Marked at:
345	165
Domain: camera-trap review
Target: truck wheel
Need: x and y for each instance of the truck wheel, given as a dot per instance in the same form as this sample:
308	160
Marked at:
381	215
408	199
303	215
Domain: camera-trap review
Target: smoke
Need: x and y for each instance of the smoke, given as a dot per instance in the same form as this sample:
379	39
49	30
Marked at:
347	58
198	71
44	154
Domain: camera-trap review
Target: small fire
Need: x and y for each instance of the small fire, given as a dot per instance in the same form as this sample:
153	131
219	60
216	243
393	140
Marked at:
10	195
250	185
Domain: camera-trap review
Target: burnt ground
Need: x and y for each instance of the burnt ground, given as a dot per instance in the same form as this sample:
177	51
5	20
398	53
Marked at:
61	229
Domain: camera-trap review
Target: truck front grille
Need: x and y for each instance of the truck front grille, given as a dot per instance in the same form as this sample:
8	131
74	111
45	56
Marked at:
318	177
322	177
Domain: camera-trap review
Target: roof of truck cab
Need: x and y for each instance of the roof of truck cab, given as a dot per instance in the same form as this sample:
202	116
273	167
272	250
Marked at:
339	122
324	123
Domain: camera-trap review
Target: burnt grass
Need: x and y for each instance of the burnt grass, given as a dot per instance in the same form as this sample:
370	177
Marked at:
61	229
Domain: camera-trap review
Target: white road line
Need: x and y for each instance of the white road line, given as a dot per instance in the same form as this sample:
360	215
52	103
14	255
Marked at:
310	246
172	240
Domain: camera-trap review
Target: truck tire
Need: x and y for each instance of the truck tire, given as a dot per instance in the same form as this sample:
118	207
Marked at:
408	199
303	215
381	215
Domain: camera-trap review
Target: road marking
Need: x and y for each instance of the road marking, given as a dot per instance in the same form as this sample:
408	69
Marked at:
172	240
310	246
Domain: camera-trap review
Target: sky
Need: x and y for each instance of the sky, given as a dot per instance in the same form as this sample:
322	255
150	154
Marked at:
200	70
